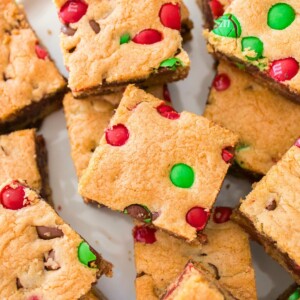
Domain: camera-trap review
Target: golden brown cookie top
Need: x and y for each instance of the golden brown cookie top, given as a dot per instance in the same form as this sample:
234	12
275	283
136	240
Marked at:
262	33
160	258
265	122
28	73
152	157
273	205
41	256
118	41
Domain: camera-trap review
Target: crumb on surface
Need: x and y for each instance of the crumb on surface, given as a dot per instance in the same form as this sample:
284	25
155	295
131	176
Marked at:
49	31
59	208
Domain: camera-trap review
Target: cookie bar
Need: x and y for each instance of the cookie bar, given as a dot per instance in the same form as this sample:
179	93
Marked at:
195	284
151	157
31	87
110	44
87	120
93	295
292	293
23	155
50	261
267	123
260	37
160	258
269	212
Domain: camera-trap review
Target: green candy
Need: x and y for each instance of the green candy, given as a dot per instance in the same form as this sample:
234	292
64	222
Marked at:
85	255
228	26
295	295
125	38
281	16
171	63
182	176
255	44
241	147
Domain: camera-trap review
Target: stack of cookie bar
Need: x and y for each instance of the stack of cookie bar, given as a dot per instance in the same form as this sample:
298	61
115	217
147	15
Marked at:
136	155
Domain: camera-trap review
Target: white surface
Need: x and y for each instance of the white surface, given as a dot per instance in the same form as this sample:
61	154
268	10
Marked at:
109	232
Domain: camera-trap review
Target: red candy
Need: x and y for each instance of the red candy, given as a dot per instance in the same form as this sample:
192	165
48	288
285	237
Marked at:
41	52
227	155
168	112
12	196
222	214
221	82
117	135
144	234
217	8
170	16
297	143
197	217
284	69
72	11
166	93
147	37
33	298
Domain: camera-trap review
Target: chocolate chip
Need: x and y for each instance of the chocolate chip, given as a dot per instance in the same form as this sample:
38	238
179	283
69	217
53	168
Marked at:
271	205
67	30
95	26
139	212
48	233
155	215
50	263
178	51
18	284
71	50
95	263
216	271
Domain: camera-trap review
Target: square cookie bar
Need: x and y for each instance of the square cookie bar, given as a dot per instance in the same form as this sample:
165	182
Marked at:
50	260
196	284
261	37
292	293
23	155
270	211
31	87
160	258
158	165
267	123
107	45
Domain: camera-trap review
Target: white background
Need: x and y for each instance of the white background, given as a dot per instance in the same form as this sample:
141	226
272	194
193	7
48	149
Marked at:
110	232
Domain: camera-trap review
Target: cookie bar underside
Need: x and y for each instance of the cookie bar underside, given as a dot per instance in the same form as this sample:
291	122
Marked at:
287	293
206	14
32	115
269	245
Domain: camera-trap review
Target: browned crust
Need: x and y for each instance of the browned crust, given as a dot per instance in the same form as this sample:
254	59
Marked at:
186	30
32	115
42	163
269	245
285	295
259	76
206	14
161	76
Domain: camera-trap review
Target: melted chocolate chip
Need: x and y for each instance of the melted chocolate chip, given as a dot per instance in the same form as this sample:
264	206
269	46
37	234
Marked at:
271	205
50	263
18	284
72	50
95	26
178	51
67	30
139	212
48	233
216	271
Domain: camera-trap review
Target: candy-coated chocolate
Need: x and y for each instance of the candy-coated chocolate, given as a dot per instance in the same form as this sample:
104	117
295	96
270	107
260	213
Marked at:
217	8
221	82
41	52
254	44
139	212
125	38
85	255
281	16
117	135
197	217
171	63
284	69
72	11
182	176
148	37
168	112
228	26
297	143
166	93
227	155
144	234
170	16
222	214
12	196
295	295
